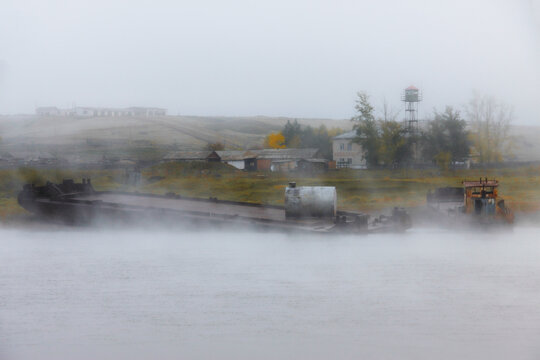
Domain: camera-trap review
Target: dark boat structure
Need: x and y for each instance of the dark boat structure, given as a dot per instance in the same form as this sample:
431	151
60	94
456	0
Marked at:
476	203
306	209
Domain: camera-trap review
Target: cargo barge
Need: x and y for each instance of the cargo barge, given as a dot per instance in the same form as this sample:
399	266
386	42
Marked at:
306	209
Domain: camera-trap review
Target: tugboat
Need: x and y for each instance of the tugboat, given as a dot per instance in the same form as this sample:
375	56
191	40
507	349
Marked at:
476	202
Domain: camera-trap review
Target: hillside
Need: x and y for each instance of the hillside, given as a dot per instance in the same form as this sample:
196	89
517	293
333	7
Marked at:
180	131
99	135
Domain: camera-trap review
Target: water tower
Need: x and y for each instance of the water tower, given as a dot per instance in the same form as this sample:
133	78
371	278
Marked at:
411	96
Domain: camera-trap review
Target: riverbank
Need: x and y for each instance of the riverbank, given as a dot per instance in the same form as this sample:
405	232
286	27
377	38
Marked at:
361	190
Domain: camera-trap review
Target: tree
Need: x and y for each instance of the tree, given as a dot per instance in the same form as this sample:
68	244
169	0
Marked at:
317	138
367	130
443	160
335	131
490	128
292	132
304	137
388	113
215	146
275	141
394	145
446	137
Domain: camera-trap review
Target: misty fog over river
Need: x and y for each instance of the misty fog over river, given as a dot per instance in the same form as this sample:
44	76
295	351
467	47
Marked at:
427	294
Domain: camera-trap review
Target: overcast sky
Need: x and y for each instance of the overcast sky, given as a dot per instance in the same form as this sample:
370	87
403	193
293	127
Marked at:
276	58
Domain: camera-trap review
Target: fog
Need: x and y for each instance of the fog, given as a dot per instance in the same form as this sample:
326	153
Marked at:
115	289
275	58
81	293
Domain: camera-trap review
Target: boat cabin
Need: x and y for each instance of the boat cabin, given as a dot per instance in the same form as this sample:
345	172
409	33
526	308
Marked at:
481	197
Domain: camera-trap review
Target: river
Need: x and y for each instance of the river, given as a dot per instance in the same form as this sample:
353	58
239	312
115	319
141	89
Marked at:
116	294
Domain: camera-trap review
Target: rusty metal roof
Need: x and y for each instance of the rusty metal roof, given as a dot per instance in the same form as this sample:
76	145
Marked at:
235	155
187	155
286	154
480	183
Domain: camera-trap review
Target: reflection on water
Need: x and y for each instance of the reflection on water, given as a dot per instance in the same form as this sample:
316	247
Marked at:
118	294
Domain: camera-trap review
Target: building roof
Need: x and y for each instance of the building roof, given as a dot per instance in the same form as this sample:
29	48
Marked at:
412	87
286	154
99	108
188	155
346	136
234	155
480	183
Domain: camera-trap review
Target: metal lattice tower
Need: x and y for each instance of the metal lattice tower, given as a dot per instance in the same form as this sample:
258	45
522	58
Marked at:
411	96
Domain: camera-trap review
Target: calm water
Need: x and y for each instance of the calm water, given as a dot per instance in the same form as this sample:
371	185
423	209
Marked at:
140	295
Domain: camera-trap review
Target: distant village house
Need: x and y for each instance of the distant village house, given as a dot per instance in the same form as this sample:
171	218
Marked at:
284	159
101	111
237	158
258	160
185	156
347	153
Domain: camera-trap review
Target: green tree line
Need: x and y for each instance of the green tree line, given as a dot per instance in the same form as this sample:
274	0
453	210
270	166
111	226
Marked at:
446	139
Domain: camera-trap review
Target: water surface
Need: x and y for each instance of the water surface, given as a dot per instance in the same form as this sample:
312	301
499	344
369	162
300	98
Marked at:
427	294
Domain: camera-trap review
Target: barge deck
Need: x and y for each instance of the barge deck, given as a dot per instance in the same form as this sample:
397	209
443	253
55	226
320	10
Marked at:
79	203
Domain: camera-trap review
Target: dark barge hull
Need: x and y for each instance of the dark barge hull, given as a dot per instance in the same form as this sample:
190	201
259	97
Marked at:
79	203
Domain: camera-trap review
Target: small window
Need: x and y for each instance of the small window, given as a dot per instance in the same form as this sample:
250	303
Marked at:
349	160
341	146
349	146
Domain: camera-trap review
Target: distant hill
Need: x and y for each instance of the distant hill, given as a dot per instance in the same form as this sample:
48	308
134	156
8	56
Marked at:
178	132
182	131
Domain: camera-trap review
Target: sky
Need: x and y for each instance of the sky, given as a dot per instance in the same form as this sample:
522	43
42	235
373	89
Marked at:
275	58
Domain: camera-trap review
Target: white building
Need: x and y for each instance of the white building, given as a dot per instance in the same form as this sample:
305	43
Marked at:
80	111
47	111
347	153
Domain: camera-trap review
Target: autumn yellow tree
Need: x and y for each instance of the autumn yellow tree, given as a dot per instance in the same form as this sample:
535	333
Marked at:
275	141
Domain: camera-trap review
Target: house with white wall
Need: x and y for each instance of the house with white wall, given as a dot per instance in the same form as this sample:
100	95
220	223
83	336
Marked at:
347	153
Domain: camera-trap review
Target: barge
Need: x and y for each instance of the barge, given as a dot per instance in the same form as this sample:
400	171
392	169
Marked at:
306	209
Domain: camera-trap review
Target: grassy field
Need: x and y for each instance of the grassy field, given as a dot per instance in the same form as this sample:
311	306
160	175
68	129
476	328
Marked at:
362	190
357	190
